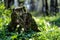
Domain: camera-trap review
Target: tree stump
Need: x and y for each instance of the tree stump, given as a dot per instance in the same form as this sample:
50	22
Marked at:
22	18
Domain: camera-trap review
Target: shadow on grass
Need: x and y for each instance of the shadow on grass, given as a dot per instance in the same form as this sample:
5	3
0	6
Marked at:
56	22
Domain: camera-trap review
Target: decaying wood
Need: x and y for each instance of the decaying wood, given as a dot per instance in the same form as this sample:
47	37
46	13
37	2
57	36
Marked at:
22	18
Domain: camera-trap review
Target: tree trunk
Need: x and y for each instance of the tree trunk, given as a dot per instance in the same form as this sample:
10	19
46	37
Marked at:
32	5
45	7
8	3
54	6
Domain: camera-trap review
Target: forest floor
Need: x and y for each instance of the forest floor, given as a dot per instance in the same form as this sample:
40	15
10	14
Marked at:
49	26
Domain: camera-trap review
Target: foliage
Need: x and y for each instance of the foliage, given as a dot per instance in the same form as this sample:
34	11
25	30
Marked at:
49	30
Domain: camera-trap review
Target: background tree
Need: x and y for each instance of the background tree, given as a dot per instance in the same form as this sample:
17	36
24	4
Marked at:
45	7
54	6
32	5
46	3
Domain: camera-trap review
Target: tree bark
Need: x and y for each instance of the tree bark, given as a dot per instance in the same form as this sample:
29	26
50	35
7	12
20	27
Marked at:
54	6
32	5
46	7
